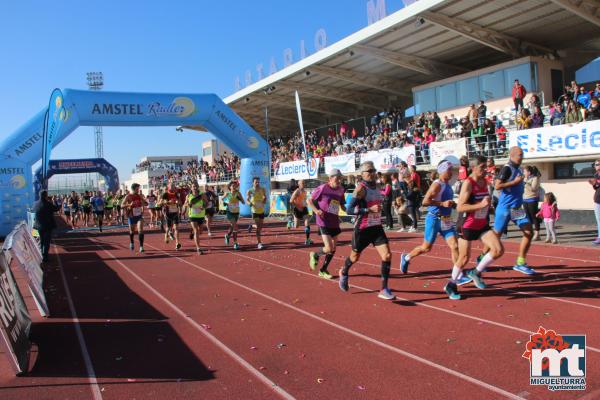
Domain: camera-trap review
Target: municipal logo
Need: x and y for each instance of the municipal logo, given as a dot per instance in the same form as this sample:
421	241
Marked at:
556	361
313	168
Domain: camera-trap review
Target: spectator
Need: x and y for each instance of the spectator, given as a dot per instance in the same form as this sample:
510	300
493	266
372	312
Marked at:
596	92
583	100
537	118
531	197
594	111
501	134
489	130
387	193
572	115
524	119
558	115
481	113
44	210
518	95
595	182
533	102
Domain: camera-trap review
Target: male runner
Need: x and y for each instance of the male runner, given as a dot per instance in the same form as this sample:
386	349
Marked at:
256	198
440	201
300	210
151	199
473	224
119	196
133	204
170	204
326	201
98	206
210	207
86	207
74	208
108	207
232	201
366	204
195	204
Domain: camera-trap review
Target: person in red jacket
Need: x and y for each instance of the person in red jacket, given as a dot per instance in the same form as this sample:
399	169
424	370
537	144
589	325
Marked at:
518	94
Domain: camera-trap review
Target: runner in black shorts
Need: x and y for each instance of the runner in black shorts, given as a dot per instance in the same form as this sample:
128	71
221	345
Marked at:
86	207
170	204
210	207
300	210
366	204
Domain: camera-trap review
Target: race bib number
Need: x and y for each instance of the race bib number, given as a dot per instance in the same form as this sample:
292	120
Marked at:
482	213
173	208
258	205
373	219
334	207
447	223
517	214
234	208
137	211
196	210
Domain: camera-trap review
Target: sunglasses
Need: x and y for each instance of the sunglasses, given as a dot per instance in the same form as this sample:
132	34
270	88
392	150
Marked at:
370	171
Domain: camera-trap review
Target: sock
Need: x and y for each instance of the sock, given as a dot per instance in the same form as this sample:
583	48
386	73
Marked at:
347	265
131	238
407	257
307	232
328	258
521	261
141	238
385	273
485	261
456	273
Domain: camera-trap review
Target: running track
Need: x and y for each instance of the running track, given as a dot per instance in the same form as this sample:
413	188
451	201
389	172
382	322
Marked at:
260	325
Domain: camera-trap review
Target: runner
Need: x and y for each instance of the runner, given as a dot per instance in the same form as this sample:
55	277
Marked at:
232	202
151	199
195	203
98	206
474	224
133	205
326	201
86	207
210	207
300	210
366	204
256	197
108	207
66	210
510	181
183	192
170	204
439	200
119	196
74	208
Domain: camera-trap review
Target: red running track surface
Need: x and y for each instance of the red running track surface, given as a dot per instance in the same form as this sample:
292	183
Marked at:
252	324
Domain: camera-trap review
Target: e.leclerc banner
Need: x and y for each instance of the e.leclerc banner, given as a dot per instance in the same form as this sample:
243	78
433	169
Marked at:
298	170
14	319
345	163
389	159
55	116
559	141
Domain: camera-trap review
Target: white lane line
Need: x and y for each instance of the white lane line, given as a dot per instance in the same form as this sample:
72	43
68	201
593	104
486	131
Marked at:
280	391
96	393
350	331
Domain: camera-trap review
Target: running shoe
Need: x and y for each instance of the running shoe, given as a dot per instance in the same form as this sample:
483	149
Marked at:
343	282
555	241
314	260
227	239
260	246
325	274
236	246
308	242
547	240
404	263
401	230
386	294
131	246
412	230
463	280
199	251
177	246
100	229
141	249
209	233
477	280
524	269
452	291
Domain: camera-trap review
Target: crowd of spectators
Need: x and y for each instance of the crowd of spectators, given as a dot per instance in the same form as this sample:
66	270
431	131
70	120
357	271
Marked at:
225	167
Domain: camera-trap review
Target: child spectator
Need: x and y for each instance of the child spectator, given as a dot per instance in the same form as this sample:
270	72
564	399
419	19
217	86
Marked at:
551	215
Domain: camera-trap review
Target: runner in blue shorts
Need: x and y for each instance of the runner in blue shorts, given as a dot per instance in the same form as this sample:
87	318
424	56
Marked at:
510	183
440	201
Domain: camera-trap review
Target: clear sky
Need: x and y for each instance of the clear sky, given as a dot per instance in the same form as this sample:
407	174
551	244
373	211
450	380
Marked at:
151	46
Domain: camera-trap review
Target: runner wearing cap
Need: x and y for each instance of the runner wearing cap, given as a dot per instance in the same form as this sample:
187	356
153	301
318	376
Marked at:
300	210
439	200
326	201
366	205
473	224
133	204
256	198
232	201
195	203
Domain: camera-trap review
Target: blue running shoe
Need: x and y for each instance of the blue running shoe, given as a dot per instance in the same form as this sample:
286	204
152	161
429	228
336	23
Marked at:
463	280
404	263
343	282
386	294
524	269
477	280
452	291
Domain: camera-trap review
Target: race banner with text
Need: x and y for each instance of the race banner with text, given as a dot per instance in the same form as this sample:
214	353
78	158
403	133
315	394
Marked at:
559	141
389	159
345	163
452	150
14	319
56	114
298	170
24	248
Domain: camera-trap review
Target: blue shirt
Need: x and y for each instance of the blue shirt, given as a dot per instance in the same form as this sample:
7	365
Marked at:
97	202
584	99
511	197
446	193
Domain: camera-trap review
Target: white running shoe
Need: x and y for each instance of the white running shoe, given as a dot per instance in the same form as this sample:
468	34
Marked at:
401	230
412	230
260	246
209	233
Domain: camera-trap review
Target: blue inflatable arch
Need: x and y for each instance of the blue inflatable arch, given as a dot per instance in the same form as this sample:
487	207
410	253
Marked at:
23	148
79	166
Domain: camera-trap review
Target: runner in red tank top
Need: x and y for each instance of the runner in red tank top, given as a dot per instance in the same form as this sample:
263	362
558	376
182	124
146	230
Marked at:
473	224
133	205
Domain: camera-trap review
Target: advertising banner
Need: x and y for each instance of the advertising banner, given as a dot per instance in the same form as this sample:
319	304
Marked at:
559	141
24	248
14	320
298	170
56	114
452	150
389	159
345	163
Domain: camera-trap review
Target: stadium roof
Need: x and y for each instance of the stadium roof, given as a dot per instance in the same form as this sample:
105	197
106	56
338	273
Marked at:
376	67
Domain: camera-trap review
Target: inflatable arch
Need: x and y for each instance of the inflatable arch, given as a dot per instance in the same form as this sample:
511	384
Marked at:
23	148
80	166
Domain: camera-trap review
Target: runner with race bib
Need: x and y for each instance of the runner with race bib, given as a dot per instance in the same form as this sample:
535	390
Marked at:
232	201
133	205
300	210
256	198
195	203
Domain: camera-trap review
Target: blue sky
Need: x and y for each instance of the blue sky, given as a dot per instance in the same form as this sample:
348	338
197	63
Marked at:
151	46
